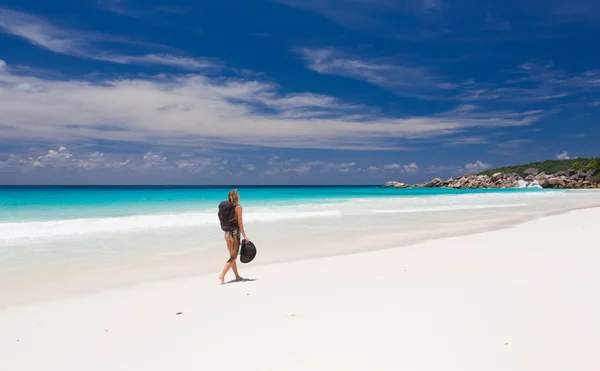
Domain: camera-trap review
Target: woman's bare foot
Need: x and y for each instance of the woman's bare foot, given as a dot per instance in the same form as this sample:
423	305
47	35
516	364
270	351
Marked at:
239	278
222	279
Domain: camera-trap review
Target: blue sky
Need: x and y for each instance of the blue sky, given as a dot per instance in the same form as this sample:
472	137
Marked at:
292	91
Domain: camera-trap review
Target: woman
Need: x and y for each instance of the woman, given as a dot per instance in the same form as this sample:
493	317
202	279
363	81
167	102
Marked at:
233	238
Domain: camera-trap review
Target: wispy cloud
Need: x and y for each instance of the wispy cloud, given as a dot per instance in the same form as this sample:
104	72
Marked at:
464	22
122	7
561	12
464	141
510	147
402	78
563	156
535	82
358	13
118	7
88	45
528	84
43	34
185	63
172	9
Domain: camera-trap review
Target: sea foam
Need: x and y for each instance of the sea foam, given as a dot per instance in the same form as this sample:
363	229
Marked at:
56	228
31	230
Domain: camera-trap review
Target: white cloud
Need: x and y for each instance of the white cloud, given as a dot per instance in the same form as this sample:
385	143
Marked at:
82	44
477	166
272	172
302	169
12	161
343	167
54	158
154	161
99	160
411	168
202	111
147	163
197	165
62	159
563	156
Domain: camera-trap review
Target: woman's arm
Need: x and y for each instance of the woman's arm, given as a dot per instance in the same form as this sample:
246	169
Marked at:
238	212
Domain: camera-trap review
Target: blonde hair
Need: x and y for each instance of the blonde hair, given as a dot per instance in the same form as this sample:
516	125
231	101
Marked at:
234	196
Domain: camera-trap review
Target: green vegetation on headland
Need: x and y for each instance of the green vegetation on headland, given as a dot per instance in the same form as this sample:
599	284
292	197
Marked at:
549	166
572	174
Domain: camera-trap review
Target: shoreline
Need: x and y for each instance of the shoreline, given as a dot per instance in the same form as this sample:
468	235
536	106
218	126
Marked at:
177	266
479	301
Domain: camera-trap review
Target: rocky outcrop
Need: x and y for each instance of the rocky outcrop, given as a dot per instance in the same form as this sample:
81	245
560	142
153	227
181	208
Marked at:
393	184
531	171
437	182
530	178
542	180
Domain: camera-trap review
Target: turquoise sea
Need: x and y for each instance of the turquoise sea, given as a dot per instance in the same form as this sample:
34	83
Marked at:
69	231
22	204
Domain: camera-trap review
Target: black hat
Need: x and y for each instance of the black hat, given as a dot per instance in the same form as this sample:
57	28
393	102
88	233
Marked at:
248	252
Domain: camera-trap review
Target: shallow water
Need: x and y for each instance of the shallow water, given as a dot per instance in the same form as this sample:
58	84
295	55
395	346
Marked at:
62	233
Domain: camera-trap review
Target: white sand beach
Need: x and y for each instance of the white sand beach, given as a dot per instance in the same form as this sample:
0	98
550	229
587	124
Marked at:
521	298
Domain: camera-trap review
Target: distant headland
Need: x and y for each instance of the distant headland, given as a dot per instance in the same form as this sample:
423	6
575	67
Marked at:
566	174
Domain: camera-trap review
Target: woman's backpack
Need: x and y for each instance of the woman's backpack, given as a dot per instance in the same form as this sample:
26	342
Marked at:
227	216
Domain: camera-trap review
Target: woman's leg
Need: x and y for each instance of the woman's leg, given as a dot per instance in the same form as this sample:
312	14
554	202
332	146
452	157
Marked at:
233	252
229	243
236	243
